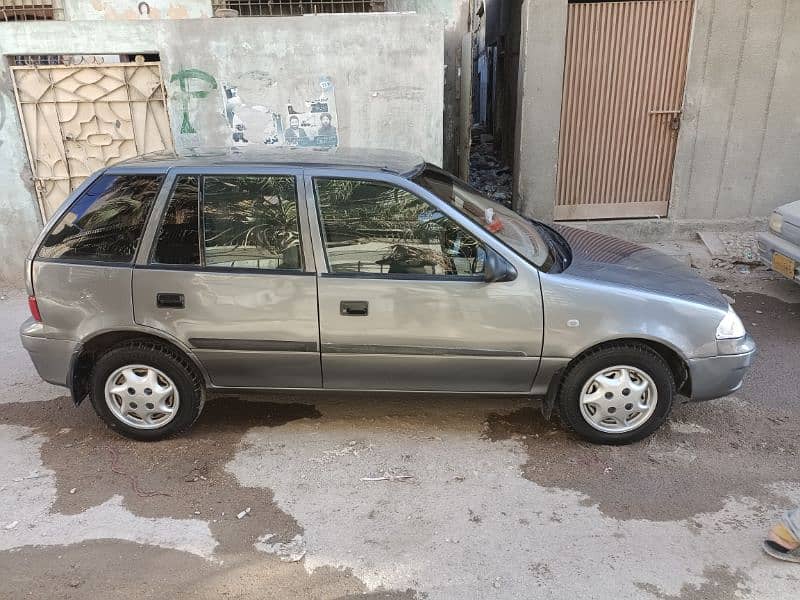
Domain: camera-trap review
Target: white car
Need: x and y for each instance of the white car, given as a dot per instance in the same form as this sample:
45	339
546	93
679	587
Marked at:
779	248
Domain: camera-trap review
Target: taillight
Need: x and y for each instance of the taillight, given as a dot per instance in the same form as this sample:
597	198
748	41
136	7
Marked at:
34	308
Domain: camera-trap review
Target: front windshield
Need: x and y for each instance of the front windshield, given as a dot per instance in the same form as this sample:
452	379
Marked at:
514	230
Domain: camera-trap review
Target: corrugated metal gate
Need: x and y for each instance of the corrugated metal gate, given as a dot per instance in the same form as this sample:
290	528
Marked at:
623	92
78	119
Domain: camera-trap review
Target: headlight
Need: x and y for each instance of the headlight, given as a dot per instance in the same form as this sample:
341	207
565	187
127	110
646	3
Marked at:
731	326
776	222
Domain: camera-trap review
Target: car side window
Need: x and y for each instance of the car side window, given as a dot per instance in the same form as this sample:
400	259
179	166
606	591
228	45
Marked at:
377	228
178	241
106	222
250	222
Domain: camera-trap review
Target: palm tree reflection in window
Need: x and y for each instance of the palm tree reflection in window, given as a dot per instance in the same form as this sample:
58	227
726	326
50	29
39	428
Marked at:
106	221
251	222
378	228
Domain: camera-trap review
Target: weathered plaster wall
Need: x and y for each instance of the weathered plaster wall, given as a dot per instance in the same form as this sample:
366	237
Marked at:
737	155
20	219
454	14
740	136
541	70
75	10
386	68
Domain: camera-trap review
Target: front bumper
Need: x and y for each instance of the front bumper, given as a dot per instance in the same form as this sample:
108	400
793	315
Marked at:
718	376
51	357
769	244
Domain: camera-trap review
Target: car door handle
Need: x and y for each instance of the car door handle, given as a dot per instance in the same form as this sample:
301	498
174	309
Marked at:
164	300
354	308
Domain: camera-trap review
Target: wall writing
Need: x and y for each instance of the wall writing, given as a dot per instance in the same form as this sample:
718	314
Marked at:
193	83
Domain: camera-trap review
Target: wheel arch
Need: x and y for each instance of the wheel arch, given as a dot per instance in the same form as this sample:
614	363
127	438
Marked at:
84	356
676	361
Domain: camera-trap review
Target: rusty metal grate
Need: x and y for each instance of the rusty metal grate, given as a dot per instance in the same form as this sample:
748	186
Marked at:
30	10
287	8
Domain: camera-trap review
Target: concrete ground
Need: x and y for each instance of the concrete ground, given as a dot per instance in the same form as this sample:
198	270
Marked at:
499	502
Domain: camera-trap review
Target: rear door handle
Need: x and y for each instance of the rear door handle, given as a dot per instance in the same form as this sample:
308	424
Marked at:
354	308
169	300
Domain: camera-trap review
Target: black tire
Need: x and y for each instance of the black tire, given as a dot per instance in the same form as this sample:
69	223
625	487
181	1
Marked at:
170	362
641	357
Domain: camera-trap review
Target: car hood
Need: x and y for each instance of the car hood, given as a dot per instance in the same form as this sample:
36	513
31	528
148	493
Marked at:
610	260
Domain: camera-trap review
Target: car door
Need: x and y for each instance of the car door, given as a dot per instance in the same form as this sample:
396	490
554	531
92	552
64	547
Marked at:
403	303
227	273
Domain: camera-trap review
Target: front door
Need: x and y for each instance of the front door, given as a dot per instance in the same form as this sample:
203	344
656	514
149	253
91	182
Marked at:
229	278
403	303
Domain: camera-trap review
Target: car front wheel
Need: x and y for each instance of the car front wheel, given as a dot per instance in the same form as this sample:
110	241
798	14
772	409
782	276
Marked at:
146	391
617	394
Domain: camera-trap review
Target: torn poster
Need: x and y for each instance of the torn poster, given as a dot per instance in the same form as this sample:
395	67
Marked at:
252	115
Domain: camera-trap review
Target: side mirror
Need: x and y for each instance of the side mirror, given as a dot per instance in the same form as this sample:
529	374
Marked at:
496	268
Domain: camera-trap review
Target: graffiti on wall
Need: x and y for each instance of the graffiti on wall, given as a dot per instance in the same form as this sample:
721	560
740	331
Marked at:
193	84
256	115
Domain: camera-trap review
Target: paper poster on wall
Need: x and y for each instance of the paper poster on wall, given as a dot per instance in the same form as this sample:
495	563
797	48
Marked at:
310	121
314	123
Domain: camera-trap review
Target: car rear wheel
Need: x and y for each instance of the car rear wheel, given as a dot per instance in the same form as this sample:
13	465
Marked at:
617	394
146	391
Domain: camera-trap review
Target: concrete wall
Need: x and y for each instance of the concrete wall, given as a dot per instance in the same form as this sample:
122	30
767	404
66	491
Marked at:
386	69
541	73
739	143
454	15
737	155
78	10
20	219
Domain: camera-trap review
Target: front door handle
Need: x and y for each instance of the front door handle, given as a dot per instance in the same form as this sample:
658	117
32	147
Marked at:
169	300
354	308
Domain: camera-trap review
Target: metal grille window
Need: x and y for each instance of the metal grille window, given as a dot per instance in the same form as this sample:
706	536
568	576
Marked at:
30	10
27	60
285	8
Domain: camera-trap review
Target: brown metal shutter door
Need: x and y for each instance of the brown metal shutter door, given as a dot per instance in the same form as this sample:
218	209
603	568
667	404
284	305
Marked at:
623	89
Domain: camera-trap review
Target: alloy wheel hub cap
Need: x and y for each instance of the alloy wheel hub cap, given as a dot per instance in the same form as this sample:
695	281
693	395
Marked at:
141	397
618	399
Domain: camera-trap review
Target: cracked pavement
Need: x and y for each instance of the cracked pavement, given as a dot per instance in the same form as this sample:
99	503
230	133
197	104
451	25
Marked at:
375	496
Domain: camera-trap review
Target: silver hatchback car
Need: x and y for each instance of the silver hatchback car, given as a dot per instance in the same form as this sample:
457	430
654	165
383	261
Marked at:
163	278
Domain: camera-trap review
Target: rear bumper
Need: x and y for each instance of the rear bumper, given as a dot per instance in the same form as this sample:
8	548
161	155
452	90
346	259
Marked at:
51	357
718	376
769	244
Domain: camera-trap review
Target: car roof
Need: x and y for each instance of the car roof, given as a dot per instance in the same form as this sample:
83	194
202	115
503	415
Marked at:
401	163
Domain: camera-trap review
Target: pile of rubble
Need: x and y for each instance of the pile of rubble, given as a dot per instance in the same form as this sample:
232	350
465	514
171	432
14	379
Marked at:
486	172
731	250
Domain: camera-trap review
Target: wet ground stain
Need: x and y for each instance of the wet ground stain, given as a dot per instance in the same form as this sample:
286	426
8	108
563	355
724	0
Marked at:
752	438
721	584
181	477
145	572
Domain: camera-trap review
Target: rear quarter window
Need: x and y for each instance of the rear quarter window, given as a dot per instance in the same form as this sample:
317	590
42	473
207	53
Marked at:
106	222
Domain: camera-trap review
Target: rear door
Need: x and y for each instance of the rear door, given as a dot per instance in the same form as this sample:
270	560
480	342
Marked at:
402	298
228	273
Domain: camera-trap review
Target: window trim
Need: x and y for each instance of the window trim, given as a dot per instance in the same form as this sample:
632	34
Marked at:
311	189
75	196
176	173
